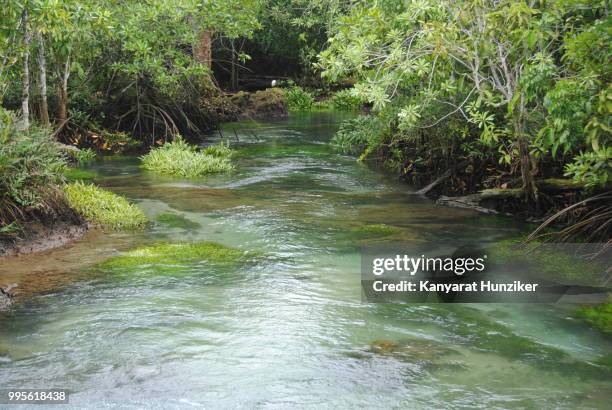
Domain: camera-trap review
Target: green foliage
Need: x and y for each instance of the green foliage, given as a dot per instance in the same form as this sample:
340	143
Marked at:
356	134
181	159
344	100
512	74
298	99
103	208
594	168
84	155
598	316
219	150
31	168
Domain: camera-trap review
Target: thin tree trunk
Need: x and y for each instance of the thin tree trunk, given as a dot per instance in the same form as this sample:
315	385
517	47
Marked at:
234	72
25	90
62	92
529	185
202	49
42	78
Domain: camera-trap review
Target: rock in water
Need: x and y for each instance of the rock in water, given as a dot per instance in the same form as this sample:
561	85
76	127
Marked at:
6	299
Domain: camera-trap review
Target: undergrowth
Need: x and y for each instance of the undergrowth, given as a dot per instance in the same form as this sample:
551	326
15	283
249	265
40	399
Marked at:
31	170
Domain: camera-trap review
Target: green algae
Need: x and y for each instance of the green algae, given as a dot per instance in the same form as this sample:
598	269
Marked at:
598	316
374	231
177	253
548	263
476	330
176	221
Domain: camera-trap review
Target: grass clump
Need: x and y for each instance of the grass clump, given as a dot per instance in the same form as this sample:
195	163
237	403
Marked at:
183	160
103	208
81	156
176	253
176	221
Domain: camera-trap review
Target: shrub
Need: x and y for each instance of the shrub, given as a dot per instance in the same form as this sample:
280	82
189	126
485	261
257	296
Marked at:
181	159
594	169
344	100
104	208
31	168
298	99
354	134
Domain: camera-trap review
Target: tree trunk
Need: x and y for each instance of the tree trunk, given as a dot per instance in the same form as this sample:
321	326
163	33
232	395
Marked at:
202	49
62	93
42	79
25	88
234	72
529	185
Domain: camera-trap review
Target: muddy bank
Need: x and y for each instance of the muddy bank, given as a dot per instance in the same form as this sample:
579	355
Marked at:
39	237
269	103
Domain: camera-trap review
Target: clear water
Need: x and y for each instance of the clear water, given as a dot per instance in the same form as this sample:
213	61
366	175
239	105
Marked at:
290	331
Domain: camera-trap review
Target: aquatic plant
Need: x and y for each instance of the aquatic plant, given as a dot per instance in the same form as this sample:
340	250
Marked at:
218	150
176	221
598	316
181	159
174	253
103	208
547	262
375	231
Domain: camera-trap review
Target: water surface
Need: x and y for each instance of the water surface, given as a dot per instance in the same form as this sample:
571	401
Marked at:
291	330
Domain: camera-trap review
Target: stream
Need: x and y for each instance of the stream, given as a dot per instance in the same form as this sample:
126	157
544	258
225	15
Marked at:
289	331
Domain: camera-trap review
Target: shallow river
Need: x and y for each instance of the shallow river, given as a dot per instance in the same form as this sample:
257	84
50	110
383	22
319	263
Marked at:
290	330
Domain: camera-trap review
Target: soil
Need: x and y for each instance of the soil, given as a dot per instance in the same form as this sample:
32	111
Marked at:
38	238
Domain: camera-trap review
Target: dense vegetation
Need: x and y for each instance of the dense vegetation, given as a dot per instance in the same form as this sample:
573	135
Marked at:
475	94
500	92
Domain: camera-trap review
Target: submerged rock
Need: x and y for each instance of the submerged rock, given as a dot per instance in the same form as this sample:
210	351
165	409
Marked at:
415	350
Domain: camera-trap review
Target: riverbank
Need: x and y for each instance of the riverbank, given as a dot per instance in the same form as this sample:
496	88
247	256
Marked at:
37	237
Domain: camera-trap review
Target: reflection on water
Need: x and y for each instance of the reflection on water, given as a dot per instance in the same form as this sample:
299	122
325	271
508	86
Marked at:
290	330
